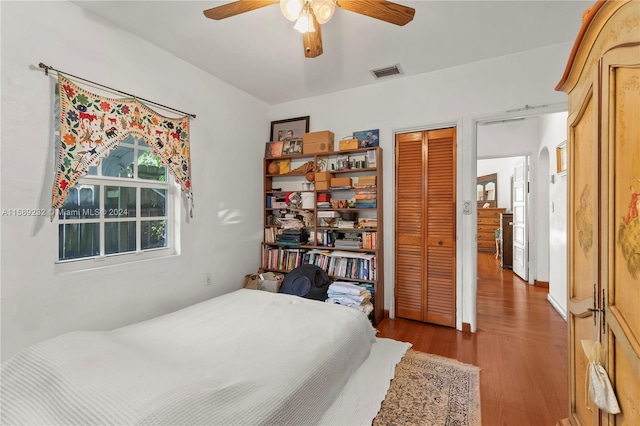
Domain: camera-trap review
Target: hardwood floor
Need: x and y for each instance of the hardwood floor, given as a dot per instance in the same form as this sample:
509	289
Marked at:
520	346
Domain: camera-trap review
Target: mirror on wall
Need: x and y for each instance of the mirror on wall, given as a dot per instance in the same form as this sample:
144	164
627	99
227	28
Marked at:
487	190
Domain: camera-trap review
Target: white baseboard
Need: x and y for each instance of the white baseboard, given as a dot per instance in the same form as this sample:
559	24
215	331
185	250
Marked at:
557	307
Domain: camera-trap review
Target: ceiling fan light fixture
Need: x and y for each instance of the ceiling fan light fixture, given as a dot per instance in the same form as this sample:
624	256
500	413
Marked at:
304	24
323	9
291	9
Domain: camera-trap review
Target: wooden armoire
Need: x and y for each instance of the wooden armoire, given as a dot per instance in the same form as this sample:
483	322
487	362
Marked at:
602	80
425	237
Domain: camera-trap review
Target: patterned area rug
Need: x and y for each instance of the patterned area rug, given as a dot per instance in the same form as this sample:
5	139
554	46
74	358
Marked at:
432	390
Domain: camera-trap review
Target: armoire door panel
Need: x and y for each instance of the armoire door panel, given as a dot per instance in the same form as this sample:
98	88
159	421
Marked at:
624	175
583	411
621	204
625	376
583	201
582	236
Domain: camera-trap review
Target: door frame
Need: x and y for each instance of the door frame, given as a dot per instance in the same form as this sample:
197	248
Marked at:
470	268
390	212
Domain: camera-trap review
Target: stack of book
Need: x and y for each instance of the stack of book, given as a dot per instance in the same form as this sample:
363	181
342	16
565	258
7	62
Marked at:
350	240
368	222
366	196
346	223
324	201
328	218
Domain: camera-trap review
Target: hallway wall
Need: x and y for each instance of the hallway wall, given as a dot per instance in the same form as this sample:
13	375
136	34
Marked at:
553	131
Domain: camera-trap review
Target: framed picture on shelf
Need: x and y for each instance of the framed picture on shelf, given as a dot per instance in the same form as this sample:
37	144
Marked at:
291	128
561	158
292	147
273	149
368	138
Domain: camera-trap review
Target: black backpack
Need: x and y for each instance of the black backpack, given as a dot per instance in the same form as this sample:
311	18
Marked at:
308	281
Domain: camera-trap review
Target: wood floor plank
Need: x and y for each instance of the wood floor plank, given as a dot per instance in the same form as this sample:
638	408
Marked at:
520	346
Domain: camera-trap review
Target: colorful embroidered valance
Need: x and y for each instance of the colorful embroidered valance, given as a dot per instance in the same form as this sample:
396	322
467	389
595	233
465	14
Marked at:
92	125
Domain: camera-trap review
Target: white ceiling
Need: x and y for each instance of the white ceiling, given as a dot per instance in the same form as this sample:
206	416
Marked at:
260	53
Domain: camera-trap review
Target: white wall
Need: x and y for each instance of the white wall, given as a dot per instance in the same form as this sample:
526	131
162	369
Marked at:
503	167
227	145
553	131
456	96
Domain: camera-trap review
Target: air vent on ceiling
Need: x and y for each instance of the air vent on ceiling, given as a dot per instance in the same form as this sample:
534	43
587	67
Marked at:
387	71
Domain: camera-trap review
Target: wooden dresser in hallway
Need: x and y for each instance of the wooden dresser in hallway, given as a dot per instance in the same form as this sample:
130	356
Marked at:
520	346
488	222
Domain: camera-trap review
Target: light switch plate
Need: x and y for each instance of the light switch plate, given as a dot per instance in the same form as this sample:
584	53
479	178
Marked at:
467	207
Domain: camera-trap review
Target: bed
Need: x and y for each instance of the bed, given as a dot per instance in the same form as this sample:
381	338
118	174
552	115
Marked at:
248	357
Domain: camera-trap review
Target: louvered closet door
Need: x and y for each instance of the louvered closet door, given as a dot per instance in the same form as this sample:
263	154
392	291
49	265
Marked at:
441	230
409	267
425	226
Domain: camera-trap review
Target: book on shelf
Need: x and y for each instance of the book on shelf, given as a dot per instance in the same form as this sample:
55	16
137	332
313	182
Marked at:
366	204
338	264
285	166
347	244
369	240
360	196
348	224
368	222
328	213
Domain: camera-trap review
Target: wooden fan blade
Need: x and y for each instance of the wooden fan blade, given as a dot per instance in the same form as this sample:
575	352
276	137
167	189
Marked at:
236	8
313	41
387	11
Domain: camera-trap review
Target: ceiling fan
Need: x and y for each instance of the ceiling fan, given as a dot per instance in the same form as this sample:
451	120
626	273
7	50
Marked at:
310	14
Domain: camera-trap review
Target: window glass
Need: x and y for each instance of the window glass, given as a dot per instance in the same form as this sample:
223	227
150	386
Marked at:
150	167
119	201
120	237
77	240
119	163
154	234
153	202
83	202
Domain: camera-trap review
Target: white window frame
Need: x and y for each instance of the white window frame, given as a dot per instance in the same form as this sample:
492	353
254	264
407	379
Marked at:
171	217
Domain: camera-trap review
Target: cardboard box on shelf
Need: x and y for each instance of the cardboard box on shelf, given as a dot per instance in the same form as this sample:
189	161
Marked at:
322	185
367	180
315	142
323	176
343	181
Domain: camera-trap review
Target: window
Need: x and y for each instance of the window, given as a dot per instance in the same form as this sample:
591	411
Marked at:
122	207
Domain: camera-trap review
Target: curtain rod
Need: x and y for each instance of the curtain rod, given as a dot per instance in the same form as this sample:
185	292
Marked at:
48	68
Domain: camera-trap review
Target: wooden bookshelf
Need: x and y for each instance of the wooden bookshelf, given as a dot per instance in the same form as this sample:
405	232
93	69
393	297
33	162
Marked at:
351	211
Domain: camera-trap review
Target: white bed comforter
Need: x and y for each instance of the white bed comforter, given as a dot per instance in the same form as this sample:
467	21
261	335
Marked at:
248	357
